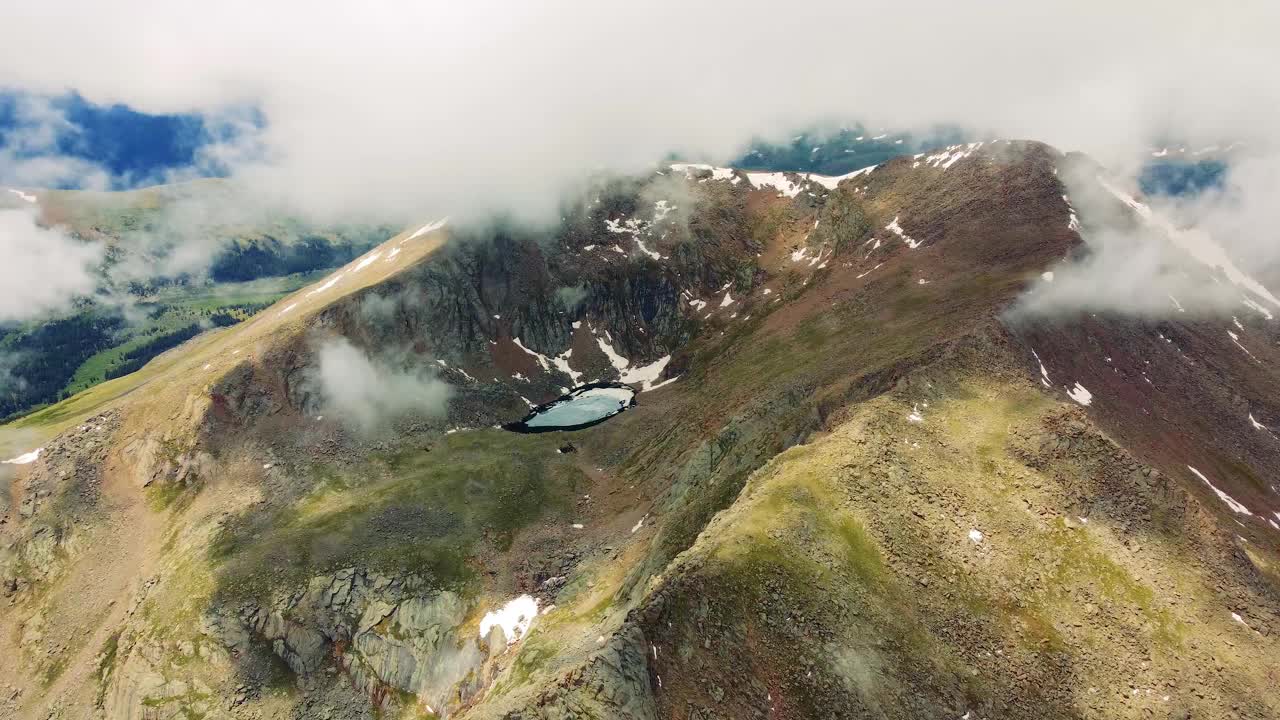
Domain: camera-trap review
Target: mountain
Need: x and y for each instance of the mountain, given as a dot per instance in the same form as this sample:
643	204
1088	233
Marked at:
836	152
174	261
856	481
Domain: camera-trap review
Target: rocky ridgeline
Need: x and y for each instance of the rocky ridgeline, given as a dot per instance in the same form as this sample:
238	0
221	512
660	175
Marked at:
614	683
482	309
391	635
61	489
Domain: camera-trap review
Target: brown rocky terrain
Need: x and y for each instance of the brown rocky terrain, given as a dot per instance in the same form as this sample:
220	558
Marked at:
856	482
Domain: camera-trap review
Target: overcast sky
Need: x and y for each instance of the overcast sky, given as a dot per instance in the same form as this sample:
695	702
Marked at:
422	107
404	110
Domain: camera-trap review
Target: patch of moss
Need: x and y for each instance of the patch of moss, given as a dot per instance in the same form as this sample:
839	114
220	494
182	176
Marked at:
420	512
1080	558
164	495
53	670
535	651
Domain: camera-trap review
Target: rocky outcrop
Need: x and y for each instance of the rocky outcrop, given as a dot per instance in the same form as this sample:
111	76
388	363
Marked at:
386	633
59	491
491	310
613	684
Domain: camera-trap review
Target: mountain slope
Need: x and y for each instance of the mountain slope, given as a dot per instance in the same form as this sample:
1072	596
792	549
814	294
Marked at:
853	485
167	262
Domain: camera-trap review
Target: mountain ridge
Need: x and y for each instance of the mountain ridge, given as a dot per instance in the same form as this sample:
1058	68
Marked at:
854	497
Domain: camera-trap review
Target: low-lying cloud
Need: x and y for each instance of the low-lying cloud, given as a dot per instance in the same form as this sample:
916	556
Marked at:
30	154
370	393
41	270
1202	255
406	110
426	108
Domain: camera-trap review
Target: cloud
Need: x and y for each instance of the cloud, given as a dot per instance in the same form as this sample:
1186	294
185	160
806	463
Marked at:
30	151
41	270
1195	256
368	393
571	296
399	107
401	110
9	382
1242	214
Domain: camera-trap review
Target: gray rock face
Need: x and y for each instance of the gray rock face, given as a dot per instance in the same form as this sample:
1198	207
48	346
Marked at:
615	684
465	305
384	632
416	647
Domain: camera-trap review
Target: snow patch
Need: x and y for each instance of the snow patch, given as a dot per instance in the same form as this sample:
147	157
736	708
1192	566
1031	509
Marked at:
655	386
651	253
717	173
333	280
561	362
1236	339
831	181
877	267
632	226
776	180
646	374
1261	310
915	415
24	459
428	228
617	361
542	359
896	229
514	618
25	196
951	155
1080	395
1044	374
1197	244
1235	505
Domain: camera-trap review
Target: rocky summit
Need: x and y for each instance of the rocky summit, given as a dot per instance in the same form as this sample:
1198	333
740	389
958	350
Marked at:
861	477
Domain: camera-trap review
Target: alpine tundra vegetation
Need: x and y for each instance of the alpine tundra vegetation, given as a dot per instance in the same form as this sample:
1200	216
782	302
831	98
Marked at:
585	362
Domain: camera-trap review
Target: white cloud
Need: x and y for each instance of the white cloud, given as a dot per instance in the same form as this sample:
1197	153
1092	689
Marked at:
422	108
29	152
367	392
399	109
1148	263
41	270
